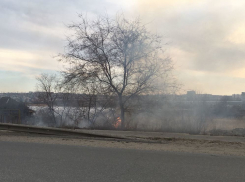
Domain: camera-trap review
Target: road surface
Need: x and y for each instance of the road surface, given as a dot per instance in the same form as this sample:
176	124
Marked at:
45	162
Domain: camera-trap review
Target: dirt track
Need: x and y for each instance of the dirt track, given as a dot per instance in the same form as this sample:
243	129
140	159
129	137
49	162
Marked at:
168	142
163	135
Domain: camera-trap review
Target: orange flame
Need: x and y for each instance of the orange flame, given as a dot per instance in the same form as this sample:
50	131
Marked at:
117	123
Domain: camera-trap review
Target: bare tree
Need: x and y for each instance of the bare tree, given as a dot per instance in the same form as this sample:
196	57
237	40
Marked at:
119	54
61	100
90	99
46	88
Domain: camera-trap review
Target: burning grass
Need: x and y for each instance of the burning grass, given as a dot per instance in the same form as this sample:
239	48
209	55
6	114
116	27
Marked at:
117	123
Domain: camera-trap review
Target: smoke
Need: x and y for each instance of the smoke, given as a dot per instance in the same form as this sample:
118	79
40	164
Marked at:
173	113
72	117
165	113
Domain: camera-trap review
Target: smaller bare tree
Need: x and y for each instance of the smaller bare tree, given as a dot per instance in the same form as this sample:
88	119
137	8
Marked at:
47	87
93	99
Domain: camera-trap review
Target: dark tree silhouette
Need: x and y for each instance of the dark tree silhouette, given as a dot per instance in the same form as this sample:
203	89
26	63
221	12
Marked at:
119	54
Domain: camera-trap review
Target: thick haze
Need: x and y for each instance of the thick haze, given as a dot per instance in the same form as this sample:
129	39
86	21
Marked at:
206	39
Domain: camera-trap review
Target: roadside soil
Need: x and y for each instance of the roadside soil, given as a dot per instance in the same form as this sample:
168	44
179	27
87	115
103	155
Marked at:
176	142
161	135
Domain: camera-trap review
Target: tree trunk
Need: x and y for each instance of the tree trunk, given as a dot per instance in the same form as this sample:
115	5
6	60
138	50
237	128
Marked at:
122	112
54	118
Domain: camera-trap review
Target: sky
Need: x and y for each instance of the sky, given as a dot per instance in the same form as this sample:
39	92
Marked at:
205	38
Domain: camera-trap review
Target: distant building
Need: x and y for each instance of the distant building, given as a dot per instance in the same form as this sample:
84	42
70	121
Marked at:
12	111
191	95
243	99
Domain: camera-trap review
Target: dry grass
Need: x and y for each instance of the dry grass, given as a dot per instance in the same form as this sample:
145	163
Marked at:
226	124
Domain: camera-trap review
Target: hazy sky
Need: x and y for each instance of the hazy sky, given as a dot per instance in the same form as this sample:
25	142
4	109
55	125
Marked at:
206	38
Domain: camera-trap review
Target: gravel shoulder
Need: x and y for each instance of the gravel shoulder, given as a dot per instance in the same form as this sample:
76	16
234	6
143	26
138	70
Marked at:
214	145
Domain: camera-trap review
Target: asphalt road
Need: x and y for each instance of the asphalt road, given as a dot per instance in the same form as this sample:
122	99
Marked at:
46	162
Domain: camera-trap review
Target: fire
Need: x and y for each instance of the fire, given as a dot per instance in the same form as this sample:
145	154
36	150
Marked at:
117	122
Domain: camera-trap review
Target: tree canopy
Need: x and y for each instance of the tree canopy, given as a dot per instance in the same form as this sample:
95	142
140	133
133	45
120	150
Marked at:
120	55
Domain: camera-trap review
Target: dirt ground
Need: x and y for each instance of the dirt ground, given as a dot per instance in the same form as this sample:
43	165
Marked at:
143	141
